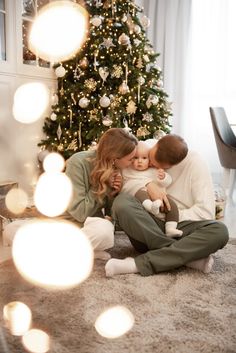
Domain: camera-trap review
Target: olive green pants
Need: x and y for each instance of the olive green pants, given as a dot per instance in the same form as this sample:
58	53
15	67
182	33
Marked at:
161	253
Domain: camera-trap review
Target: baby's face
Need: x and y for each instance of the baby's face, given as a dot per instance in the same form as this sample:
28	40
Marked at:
141	159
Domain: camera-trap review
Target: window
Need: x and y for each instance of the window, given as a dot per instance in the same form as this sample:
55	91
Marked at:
29	11
3	54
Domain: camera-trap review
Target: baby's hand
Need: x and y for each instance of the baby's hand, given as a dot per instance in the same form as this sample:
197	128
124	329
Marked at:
161	174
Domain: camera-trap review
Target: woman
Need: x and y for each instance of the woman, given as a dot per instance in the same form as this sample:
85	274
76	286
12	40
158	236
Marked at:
96	179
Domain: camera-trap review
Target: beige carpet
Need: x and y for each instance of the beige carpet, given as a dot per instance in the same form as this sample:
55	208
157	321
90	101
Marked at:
182	312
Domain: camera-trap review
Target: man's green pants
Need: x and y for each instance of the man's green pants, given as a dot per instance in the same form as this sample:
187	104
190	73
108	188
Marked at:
161	253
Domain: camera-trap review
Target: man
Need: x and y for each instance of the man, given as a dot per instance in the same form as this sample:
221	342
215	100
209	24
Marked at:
192	190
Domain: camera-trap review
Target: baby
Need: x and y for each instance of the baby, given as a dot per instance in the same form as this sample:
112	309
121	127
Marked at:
138	176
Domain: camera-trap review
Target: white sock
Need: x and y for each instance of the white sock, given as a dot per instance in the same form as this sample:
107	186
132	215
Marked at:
118	267
102	255
156	207
205	265
147	204
171	229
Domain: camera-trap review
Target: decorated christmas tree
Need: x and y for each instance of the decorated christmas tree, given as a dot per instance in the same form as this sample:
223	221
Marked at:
113	81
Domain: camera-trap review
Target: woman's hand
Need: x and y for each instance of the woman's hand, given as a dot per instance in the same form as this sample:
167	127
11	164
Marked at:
115	182
155	193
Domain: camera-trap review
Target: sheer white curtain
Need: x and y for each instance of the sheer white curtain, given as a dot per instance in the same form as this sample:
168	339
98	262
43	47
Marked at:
169	33
196	42
213	73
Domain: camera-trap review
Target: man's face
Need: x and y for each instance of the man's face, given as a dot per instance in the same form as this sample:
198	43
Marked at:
153	162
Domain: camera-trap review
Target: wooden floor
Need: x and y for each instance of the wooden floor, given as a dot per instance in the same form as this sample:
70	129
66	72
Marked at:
229	219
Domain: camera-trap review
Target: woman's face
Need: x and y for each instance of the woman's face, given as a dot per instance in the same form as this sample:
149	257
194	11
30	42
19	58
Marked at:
125	161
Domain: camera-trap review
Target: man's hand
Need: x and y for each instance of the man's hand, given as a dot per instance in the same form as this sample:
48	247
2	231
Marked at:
155	193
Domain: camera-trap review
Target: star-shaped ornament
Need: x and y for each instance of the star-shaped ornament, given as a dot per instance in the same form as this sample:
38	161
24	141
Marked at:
107	42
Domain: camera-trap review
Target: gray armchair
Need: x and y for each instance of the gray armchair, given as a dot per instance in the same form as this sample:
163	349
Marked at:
226	145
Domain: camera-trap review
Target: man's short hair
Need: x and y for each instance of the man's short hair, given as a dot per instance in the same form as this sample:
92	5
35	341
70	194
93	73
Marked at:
171	149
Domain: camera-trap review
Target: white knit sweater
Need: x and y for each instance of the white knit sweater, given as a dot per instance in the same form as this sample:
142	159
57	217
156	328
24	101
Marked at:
192	188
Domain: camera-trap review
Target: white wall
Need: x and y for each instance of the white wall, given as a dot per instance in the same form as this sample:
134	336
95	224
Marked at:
18	142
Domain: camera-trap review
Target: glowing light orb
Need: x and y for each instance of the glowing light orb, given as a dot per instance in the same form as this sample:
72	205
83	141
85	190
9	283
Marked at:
52	193
17	317
52	254
31	101
36	341
53	162
114	322
16	200
51	40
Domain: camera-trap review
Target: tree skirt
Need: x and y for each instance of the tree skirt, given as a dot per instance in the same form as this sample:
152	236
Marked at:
183	311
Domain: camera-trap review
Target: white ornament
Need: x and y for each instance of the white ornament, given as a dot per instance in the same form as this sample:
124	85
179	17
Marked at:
123	88
126	128
145	21
124	39
96	21
147	117
107	121
152	100
137	42
93	145
104	102
158	134
141	80
159	83
60	71
83	102
108	42
53	117
124	18
137	29
103	72
54	99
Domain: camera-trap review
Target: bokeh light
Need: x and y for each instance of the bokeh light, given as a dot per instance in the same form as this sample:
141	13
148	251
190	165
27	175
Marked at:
53	254
51	40
17	317
114	322
36	341
53	162
16	200
53	193
31	101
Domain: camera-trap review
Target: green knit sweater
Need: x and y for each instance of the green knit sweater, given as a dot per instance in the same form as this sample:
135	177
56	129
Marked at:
84	203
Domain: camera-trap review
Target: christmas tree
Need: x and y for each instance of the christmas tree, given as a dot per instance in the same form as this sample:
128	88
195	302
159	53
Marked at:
113	81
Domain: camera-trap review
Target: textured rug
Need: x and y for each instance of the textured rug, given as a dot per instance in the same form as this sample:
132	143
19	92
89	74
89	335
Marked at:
183	311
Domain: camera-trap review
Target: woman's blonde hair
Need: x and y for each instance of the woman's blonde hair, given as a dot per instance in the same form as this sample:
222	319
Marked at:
114	144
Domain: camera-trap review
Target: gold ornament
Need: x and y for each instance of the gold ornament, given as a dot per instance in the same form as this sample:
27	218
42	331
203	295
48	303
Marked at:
94	114
91	84
83	63
142	132
117	71
131	107
139	64
60	147
73	145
